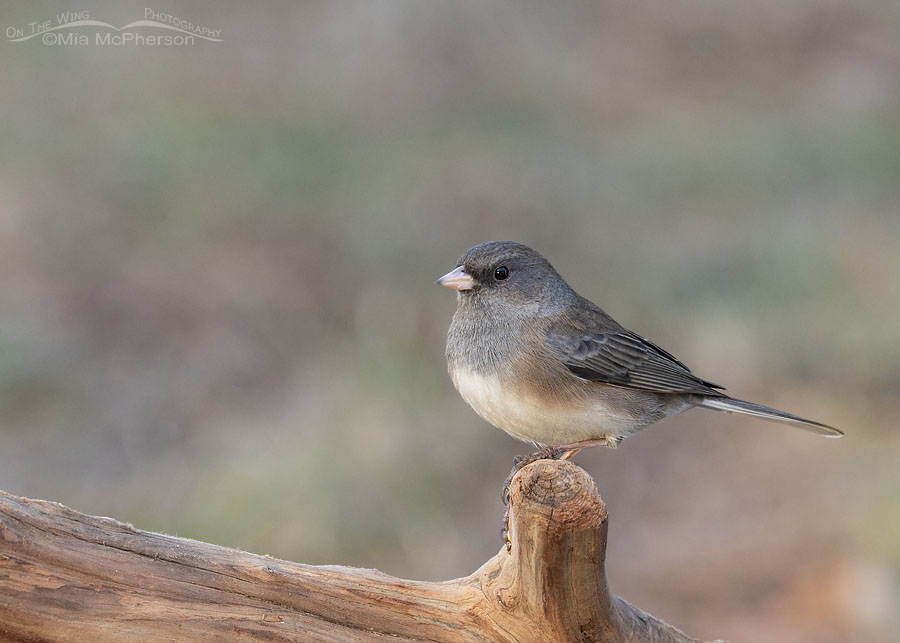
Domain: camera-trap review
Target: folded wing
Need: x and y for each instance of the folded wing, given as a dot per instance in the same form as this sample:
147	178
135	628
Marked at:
626	359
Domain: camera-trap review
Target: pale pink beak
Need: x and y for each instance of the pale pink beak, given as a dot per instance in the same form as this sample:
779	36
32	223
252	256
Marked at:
458	279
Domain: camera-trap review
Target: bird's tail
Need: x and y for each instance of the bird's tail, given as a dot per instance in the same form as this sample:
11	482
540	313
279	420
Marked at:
731	405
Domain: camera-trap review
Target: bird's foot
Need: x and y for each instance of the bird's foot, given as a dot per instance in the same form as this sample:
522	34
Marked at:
546	453
504	530
610	442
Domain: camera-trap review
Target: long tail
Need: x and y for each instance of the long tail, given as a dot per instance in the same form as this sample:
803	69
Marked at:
731	405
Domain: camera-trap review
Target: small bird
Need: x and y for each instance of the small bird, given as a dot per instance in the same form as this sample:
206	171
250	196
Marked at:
541	362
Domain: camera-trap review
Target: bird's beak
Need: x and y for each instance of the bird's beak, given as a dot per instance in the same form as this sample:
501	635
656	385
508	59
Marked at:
458	279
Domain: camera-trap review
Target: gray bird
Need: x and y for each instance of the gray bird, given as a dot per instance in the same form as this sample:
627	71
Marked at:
541	362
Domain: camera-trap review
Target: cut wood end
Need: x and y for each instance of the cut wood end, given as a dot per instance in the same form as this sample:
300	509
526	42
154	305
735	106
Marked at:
560	492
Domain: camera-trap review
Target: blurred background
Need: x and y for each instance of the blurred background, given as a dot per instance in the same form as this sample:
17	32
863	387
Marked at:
218	317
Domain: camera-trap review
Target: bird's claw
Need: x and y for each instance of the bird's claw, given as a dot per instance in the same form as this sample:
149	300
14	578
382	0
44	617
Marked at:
546	453
504	530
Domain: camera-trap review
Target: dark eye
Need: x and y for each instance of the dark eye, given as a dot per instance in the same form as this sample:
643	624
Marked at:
501	273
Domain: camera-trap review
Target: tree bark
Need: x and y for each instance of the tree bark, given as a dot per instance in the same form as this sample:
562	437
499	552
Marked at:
73	578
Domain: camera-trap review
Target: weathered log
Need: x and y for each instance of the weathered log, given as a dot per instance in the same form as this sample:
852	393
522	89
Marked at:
65	576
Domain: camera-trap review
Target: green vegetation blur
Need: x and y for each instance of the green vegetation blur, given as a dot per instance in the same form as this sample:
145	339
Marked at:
218	317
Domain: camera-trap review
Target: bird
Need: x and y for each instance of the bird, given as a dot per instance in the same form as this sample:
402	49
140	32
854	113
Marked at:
547	366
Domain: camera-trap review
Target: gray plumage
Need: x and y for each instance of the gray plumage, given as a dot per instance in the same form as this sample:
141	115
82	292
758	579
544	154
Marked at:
546	365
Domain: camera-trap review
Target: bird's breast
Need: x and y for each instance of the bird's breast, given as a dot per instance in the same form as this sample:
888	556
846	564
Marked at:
491	399
562	417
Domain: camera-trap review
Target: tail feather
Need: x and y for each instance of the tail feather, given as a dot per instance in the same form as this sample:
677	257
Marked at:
732	405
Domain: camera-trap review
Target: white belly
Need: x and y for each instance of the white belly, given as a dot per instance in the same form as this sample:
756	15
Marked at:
529	419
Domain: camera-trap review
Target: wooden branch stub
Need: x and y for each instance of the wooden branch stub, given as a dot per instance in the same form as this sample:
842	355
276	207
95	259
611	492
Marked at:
73	578
552	585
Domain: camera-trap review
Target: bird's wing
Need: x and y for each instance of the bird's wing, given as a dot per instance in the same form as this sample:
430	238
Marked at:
626	359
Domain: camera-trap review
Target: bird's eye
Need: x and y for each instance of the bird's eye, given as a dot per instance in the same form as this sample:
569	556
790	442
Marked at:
501	273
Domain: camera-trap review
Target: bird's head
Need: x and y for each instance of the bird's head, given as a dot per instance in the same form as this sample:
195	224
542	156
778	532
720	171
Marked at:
504	273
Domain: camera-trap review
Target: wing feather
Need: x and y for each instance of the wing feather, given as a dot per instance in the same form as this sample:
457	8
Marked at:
626	359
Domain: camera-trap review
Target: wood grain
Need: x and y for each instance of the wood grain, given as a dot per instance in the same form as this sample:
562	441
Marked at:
68	577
